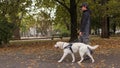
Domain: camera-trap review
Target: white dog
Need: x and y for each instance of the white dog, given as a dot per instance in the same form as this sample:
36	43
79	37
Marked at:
75	47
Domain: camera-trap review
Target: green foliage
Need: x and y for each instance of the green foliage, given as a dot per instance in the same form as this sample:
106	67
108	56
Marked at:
13	11
114	12
6	30
62	29
27	22
62	17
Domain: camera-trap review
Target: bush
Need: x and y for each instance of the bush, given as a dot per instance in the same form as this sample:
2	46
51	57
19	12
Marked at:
6	29
66	34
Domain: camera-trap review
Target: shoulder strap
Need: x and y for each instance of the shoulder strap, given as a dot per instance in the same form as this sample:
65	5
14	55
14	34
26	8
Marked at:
70	47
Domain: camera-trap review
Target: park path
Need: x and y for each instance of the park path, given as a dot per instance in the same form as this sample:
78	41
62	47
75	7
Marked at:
49	58
44	55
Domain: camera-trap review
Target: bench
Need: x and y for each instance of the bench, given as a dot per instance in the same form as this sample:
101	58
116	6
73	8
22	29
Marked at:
56	36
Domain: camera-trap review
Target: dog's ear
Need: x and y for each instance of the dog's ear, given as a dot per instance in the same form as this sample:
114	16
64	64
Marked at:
60	44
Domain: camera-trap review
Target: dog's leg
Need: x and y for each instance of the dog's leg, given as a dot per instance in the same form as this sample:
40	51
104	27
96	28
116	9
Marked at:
64	55
82	57
73	57
91	57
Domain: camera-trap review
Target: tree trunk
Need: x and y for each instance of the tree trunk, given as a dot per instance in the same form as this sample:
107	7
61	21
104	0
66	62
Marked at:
105	27
114	28
105	23
17	30
73	15
16	33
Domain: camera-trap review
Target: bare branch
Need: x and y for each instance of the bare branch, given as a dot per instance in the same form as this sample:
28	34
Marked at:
64	5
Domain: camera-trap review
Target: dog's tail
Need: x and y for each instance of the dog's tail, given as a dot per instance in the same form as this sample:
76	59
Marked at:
93	47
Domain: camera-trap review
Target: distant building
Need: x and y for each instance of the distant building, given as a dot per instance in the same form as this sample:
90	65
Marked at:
33	31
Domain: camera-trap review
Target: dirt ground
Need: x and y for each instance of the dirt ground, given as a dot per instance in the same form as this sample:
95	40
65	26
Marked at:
42	54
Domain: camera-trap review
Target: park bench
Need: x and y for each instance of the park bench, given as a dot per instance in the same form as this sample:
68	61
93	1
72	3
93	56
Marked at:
56	36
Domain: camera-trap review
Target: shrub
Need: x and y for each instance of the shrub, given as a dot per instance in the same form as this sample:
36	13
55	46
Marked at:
6	29
65	33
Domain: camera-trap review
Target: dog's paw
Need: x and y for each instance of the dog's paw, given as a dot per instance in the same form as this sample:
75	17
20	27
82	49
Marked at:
73	61
93	61
59	61
78	62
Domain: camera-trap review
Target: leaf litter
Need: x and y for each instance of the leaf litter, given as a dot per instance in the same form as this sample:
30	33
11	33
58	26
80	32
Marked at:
44	51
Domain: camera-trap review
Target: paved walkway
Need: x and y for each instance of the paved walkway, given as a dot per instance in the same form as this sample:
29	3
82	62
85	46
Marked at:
44	55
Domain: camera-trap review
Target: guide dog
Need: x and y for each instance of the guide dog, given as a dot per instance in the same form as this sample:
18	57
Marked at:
71	48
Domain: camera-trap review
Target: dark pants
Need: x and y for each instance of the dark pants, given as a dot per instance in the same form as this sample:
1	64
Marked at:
84	38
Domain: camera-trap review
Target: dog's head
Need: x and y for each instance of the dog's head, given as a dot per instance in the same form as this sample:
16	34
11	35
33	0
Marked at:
59	45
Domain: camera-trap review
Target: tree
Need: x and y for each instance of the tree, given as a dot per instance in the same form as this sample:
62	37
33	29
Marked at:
105	21
63	17
62	21
114	14
111	10
27	22
72	9
13	11
44	23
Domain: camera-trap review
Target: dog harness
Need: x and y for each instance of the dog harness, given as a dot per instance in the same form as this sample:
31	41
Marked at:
69	46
